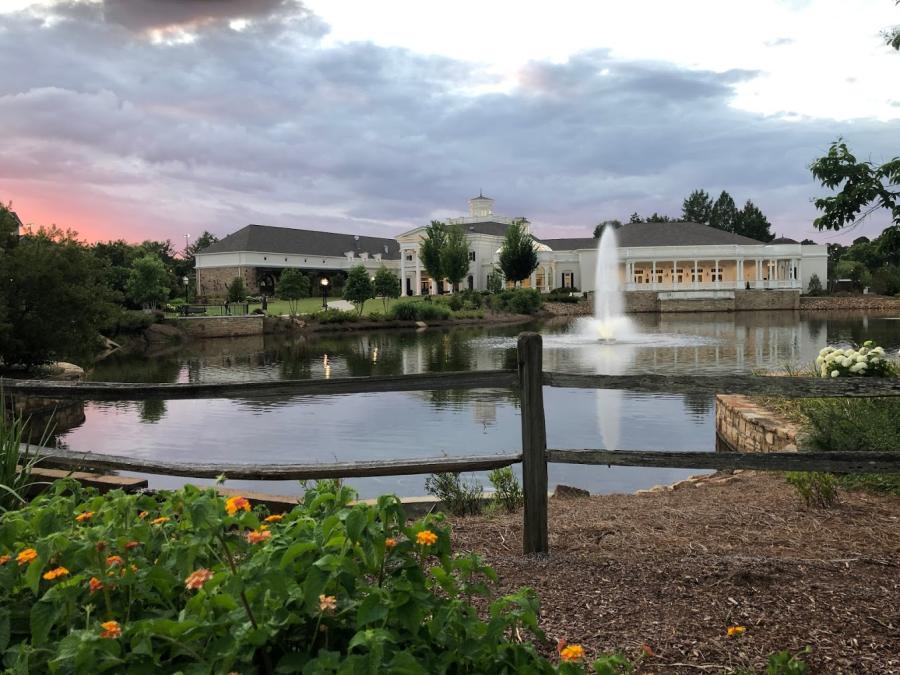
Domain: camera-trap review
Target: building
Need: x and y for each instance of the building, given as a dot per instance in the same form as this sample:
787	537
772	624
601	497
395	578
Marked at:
660	257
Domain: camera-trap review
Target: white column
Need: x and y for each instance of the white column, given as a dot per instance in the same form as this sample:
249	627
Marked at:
674	263
800	273
653	274
696	280
717	272
418	289
739	274
402	273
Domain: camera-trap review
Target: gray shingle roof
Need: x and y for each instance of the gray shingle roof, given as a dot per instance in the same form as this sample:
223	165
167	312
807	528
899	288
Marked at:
268	239
487	227
659	234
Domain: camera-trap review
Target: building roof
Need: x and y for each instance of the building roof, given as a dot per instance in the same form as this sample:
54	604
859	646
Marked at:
634	235
487	227
784	240
268	239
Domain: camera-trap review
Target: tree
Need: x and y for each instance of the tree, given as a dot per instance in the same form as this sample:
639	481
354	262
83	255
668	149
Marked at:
292	285
697	207
358	288
724	213
117	258
386	285
614	224
635	218
148	282
455	256
518	257
494	281
808	241
9	227
658	218
205	240
855	271
752	223
815	286
430	251
236	290
863	188
55	299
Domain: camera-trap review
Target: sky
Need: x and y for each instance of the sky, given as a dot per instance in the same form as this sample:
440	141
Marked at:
140	119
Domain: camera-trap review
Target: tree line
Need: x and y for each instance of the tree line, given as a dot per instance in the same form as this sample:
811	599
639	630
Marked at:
723	214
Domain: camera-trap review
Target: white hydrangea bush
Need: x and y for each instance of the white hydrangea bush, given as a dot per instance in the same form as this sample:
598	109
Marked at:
869	360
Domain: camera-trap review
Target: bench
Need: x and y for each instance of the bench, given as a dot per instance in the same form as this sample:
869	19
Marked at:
186	310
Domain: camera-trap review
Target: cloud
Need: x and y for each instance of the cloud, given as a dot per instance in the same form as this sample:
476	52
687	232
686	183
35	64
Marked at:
267	124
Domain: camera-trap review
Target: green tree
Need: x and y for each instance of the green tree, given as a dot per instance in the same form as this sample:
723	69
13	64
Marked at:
386	285
494	281
455	256
598	230
752	223
855	271
815	286
292	286
117	258
635	218
430	251
9	227
862	188
55	299
236	290
659	218
697	207
518	257
724	213
148	282
358	288
205	240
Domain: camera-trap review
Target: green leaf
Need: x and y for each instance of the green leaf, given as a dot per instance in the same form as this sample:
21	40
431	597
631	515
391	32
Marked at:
43	614
294	551
404	663
372	609
4	629
355	523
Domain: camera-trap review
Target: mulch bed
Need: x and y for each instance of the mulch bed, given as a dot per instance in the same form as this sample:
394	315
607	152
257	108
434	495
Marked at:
666	573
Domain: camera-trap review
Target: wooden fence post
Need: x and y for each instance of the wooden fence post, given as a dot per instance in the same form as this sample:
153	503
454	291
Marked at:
534	443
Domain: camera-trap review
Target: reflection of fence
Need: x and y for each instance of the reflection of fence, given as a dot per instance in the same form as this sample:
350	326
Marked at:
534	454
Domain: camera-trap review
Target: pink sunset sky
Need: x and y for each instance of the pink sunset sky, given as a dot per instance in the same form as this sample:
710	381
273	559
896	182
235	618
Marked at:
142	119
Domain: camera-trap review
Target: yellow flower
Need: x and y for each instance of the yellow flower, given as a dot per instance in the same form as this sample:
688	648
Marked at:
159	521
143	514
327	603
274	518
111	629
56	572
426	538
390	543
196	579
87	515
258	536
736	630
26	556
572	653
235	504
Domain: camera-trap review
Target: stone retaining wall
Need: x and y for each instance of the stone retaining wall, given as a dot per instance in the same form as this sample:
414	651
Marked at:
766	300
218	326
850	302
748	427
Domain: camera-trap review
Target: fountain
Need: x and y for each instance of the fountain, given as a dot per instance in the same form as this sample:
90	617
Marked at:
609	323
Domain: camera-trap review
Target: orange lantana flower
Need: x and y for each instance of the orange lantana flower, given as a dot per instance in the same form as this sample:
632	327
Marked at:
257	536
390	543
736	630
159	521
132	544
426	538
87	515
196	579
95	585
274	518
143	514
235	504
49	575
114	560
572	653
26	556
5	559
111	629
327	603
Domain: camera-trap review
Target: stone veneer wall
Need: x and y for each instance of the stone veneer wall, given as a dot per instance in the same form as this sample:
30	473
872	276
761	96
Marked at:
743	300
748	427
641	301
218	326
212	282
762	300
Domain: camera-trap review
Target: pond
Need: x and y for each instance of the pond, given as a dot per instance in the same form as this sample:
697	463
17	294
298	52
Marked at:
422	424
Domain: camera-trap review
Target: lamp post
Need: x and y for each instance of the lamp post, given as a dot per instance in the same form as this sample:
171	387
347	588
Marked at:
323	282
186	287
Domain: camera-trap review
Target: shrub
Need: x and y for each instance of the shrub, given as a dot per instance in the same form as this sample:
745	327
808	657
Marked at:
186	581
429	311
785	663
507	491
127	322
816	489
403	311
870	360
519	300
469	314
886	280
815	286
494	281
236	290
459	498
331	315
455	302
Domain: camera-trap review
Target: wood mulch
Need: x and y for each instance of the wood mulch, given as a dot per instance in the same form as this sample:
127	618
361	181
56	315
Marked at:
661	576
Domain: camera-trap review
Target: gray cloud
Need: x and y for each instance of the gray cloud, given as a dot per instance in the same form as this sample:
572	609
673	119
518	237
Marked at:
268	125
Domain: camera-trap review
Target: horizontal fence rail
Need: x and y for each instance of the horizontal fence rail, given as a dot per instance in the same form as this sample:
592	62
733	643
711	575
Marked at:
794	387
133	391
312	471
831	462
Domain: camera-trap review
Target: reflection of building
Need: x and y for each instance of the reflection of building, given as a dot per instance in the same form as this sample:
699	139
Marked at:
669	257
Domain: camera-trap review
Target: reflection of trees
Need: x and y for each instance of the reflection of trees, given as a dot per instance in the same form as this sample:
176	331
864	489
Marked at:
152	410
136	368
815	328
698	404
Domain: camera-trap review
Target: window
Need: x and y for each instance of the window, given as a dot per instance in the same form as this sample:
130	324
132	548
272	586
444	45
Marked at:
715	273
409	256
678	275
471	256
697	274
568	280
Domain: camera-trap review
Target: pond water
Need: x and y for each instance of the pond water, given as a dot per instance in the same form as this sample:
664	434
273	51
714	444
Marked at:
422	424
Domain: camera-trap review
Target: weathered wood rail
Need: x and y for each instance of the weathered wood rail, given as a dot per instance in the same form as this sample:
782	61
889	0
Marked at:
530	379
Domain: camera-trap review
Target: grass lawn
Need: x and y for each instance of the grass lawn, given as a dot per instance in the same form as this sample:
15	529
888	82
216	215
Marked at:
312	305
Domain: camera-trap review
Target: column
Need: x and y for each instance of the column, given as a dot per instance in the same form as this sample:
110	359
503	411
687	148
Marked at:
418	289
716	268
532	280
402	273
674	265
739	276
800	274
653	274
696	279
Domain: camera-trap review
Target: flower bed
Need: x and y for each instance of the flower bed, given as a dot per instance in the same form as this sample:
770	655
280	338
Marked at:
188	581
869	360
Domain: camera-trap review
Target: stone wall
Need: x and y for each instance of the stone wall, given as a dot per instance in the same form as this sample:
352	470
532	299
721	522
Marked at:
683	302
757	300
850	302
641	301
748	427
218	326
212	282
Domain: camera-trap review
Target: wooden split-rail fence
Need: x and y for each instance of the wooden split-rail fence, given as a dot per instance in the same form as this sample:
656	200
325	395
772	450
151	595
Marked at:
530	379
